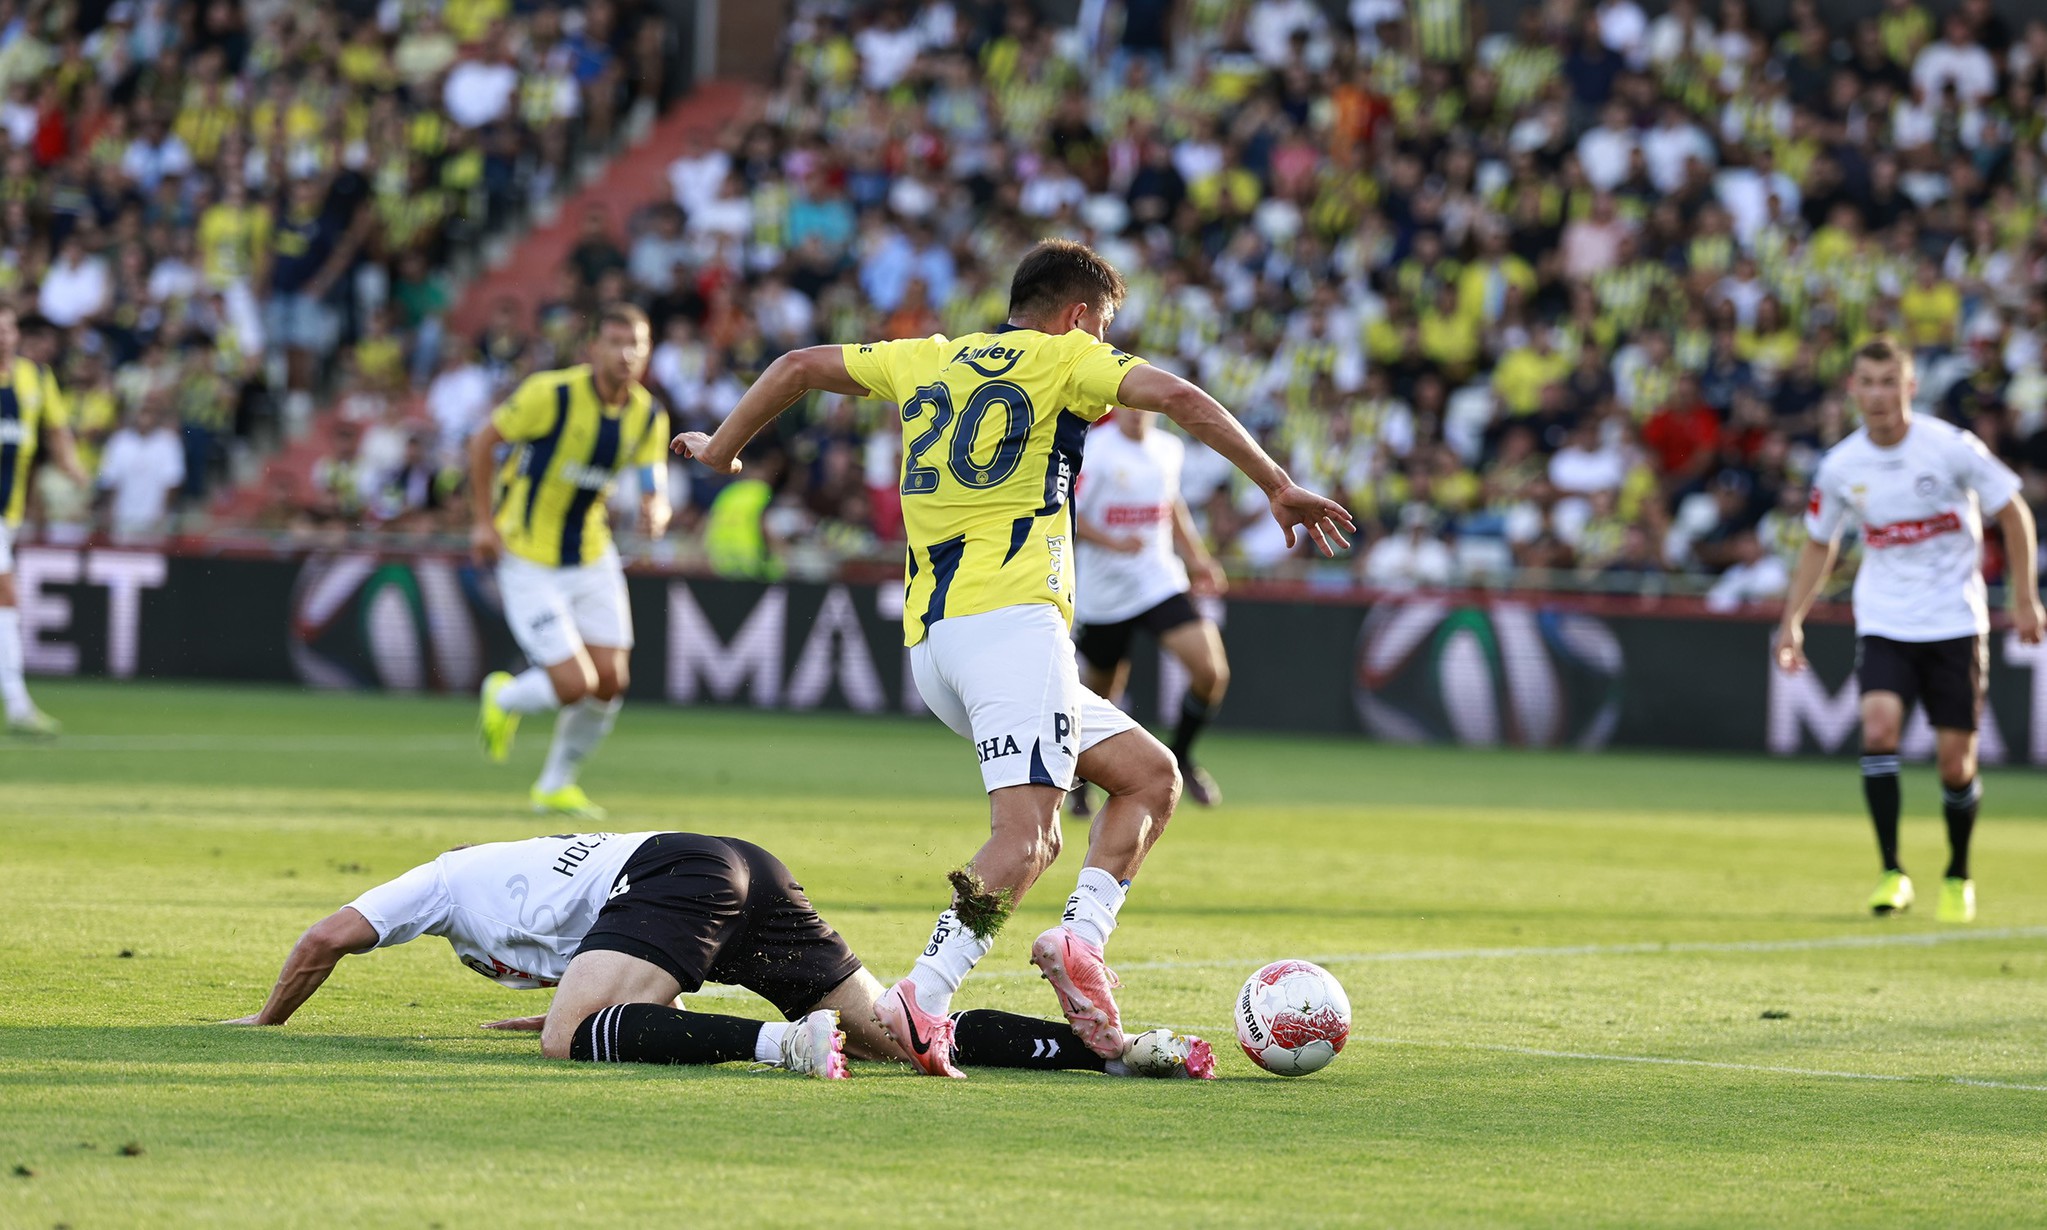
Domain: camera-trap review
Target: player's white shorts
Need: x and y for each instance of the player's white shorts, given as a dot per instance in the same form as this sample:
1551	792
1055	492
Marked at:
1007	680
553	612
6	547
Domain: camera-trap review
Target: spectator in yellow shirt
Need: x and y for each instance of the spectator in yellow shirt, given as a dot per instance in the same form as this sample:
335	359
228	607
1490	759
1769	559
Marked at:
234	238
1525	371
1931	308
1449	338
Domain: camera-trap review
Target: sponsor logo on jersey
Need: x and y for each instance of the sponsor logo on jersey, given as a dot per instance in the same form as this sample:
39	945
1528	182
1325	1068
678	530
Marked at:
587	477
1926	486
1136	514
990	361
12	431
1055	546
579	850
1906	533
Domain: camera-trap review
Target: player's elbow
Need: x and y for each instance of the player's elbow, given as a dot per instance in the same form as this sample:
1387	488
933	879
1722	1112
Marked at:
808	368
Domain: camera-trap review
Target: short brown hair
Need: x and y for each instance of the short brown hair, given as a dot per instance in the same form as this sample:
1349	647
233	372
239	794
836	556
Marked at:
1059	271
623	314
1885	348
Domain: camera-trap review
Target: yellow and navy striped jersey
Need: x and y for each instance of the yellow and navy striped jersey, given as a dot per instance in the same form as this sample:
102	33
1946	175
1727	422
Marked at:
29	402
570	448
993	427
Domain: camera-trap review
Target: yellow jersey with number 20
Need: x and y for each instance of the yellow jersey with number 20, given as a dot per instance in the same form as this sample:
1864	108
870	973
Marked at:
993	427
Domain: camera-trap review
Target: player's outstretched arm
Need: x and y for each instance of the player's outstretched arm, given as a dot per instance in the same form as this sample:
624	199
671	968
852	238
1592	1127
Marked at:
1203	417
314	957
2022	550
811	369
1815	561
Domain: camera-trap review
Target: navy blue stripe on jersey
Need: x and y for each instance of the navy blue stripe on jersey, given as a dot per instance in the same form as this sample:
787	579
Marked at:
1019	532
10	452
1040	775
540	453
1069	441
603	458
945	560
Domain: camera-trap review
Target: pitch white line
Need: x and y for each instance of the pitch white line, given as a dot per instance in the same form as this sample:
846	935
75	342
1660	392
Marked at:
1911	939
240	743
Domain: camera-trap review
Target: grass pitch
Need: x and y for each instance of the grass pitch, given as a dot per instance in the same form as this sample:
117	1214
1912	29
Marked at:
1571	979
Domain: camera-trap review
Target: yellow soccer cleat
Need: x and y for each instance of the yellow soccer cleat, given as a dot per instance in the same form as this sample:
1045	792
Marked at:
35	724
1957	900
495	726
568	801
1893	894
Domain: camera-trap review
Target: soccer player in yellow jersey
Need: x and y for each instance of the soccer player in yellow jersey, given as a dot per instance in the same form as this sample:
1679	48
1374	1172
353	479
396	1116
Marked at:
541	518
31	416
993	426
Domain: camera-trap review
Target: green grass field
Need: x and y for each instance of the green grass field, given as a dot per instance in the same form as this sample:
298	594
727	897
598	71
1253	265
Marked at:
1560	968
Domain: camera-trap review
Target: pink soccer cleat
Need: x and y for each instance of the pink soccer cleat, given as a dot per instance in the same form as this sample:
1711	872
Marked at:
1083	984
925	1040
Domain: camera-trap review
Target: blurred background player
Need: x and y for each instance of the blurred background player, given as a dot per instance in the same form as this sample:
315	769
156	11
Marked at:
541	518
31	417
635	921
1134	531
1919	490
994	424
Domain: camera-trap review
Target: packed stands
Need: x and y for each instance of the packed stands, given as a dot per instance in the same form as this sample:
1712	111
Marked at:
1567	302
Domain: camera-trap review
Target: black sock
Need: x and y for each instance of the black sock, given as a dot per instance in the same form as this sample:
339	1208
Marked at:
1194	714
1880	787
1959	809
985	1038
658	1033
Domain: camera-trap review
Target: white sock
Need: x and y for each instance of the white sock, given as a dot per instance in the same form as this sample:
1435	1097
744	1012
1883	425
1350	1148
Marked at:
531	692
1091	910
768	1047
578	729
13	690
948	959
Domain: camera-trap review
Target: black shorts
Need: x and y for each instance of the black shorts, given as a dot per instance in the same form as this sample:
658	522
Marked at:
1106	645
717	909
1945	676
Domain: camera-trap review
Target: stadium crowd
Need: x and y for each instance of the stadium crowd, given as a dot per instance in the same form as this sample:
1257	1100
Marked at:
1574	296
213	213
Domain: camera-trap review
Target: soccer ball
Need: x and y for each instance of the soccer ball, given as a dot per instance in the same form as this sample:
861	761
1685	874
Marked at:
1292	1018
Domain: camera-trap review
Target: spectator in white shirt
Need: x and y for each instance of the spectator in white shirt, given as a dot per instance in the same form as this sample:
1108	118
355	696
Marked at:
459	399
1746	193
729	214
1668	34
1958	60
76	287
155	154
1604	150
143	465
657	250
1410	556
1672	146
1271	25
887	49
696	177
479	90
1755	576
1624	28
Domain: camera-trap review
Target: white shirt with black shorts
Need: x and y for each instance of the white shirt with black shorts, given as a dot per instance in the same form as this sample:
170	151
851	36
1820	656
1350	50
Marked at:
705	909
1128	488
1922	620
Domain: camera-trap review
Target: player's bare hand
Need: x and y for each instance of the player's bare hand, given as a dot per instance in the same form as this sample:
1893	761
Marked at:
1790	650
1210	579
697	445
2028	617
245	1020
528	1024
485	544
654	517
1324	520
1124	544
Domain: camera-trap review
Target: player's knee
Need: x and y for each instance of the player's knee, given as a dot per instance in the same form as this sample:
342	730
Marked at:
1217	682
1879	735
611	684
1957	768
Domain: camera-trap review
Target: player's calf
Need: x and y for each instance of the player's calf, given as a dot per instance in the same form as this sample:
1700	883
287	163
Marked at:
664	1034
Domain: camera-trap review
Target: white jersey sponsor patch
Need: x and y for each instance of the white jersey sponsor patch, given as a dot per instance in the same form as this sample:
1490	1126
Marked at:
1127	488
515	911
1918	506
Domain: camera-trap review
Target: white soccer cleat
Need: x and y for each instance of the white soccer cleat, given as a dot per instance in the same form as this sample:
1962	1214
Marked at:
1165	1055
814	1046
